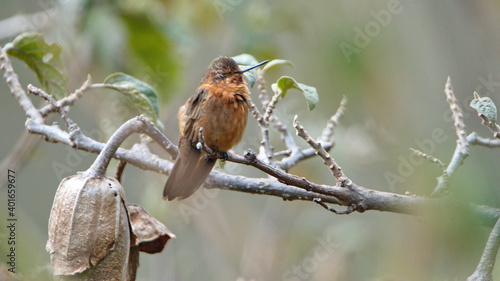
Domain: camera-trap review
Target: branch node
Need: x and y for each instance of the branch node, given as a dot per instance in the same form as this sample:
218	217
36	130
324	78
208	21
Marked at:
72	126
351	208
250	156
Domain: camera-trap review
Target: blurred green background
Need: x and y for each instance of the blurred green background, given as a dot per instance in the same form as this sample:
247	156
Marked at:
390	59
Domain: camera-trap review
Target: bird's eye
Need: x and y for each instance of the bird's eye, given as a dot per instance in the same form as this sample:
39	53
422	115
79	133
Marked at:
223	75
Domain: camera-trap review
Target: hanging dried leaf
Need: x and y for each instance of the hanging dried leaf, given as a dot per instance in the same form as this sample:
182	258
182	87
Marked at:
151	235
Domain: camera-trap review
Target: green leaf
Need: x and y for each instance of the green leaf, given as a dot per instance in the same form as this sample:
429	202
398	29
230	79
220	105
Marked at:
485	106
276	62
286	83
311	95
43	59
137	93
245	60
151	51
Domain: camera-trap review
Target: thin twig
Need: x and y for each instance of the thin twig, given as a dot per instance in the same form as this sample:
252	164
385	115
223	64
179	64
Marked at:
256	114
68	100
261	86
431	158
462	147
321	152
326	140
327	134
15	87
39	92
282	153
458	118
475	139
494	127
266	147
270	107
350	208
300	155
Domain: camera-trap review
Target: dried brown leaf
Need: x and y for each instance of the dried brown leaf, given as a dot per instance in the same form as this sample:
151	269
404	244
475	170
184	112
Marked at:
151	235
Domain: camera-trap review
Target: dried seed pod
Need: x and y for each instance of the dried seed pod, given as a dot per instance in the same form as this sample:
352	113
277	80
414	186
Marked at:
89	232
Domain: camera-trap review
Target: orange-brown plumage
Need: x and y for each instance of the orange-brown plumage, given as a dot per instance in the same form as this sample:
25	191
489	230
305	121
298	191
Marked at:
220	107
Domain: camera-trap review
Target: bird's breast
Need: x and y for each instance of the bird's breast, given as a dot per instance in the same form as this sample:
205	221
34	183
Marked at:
225	119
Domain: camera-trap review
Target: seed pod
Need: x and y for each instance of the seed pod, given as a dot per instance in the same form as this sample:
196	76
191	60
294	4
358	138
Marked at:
89	233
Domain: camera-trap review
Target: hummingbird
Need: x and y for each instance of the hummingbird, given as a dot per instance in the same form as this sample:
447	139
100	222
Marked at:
220	107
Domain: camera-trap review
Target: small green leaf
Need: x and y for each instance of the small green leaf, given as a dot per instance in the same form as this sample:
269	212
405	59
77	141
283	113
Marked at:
245	60
286	83
139	94
311	95
484	106
276	62
43	59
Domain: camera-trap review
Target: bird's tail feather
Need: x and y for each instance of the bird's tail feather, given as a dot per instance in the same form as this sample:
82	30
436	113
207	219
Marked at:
190	170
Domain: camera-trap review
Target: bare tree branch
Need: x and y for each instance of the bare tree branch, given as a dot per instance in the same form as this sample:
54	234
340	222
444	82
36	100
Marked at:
68	100
15	87
325	140
462	147
474	138
321	152
327	134
282	184
485	267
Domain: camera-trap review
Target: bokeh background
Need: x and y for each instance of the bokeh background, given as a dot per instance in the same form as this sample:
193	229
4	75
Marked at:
390	59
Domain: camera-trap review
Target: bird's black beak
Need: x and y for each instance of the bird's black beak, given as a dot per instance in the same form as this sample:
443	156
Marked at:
252	67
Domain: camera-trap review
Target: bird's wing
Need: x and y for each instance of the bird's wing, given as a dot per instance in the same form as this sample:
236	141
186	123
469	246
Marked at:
193	112
192	166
